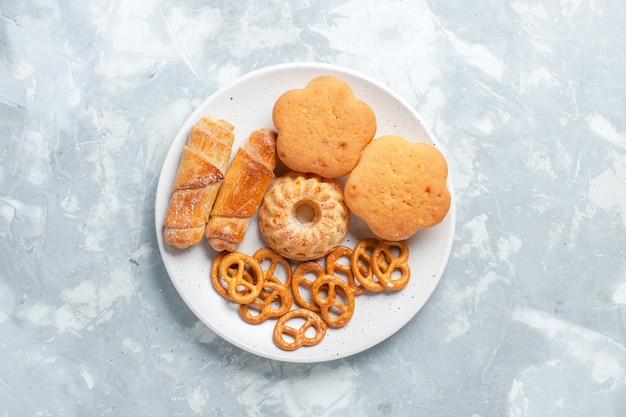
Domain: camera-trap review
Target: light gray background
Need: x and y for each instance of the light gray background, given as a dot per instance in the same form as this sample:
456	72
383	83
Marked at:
527	99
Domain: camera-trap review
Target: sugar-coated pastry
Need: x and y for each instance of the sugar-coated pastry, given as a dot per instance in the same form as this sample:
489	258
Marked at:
198	179
249	174
303	236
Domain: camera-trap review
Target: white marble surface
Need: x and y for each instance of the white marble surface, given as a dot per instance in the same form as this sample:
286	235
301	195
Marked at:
527	98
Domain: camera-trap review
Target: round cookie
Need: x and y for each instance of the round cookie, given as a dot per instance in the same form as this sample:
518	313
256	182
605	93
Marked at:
323	127
398	187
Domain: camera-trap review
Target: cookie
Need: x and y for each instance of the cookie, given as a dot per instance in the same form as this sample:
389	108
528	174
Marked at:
323	127
398	187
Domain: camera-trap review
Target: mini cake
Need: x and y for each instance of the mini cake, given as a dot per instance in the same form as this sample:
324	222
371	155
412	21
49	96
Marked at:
303	216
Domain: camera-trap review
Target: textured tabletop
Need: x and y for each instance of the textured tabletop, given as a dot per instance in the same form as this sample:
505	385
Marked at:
527	100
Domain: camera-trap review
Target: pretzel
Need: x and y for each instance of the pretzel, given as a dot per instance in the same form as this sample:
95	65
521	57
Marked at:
275	261
386	263
335	299
298	335
220	286
263	305
299	280
333	266
361	264
243	275
253	282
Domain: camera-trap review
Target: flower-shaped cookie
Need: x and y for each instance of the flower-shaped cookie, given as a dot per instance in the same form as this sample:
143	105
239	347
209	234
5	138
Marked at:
398	187
323	127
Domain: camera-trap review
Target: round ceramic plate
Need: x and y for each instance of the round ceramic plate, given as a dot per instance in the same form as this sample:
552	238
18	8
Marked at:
247	104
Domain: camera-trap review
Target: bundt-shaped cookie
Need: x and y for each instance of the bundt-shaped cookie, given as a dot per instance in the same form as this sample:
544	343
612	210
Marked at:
303	216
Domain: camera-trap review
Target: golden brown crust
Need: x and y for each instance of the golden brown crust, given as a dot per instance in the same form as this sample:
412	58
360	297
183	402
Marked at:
303	240
193	234
265	255
301	284
188	207
247	179
225	233
335	267
203	138
245	184
199	176
311	329
335	299
391	264
195	171
274	301
243	276
399	187
362	264
262	146
323	127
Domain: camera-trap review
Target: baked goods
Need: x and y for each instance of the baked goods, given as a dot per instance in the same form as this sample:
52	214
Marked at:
362	264
278	268
243	276
220	286
391	267
335	300
335	267
304	275
321	298
299	336
333	296
303	237
398	187
274	301
197	181
380	265
249	174
323	127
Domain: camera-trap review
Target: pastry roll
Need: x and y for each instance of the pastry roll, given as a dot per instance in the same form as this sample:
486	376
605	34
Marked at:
199	177
247	179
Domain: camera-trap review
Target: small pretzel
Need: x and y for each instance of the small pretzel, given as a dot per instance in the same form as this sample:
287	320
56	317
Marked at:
275	261
243	275
263	305
300	280
298	335
385	263
330	293
220	286
334	266
361	264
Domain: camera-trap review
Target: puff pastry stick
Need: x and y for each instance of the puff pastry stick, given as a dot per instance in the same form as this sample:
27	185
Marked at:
200	174
247	179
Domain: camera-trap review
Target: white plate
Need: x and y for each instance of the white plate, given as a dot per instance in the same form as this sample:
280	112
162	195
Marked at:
247	104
